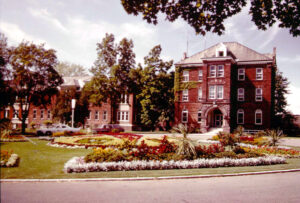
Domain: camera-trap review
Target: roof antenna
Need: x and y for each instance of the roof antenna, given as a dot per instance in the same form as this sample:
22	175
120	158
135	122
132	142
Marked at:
187	41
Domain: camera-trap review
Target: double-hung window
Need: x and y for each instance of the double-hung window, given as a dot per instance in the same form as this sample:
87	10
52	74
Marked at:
259	74
258	94
220	92
258	117
220	72
42	114
200	75
185	76
49	114
185	95
184	116
241	94
240	116
104	115
122	115
96	115
34	114
216	92
199	116
241	74
212	92
212	71
199	93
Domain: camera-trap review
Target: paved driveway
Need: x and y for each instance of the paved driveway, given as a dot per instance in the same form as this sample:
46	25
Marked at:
282	187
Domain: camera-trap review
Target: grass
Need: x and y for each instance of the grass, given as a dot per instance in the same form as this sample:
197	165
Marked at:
44	162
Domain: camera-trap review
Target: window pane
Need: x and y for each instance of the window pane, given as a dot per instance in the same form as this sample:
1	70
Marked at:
200	93
221	71
212	91
220	92
199	116
185	76
200	75
212	71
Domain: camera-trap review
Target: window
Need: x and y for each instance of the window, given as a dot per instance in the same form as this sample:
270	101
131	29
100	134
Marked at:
34	114
124	99
90	115
259	73
258	117
220	72
199	116
185	76
221	53
212	91
184	116
241	94
219	92
212	71
104	115
241	74
200	75
122	115
96	115
216	92
240	116
199	93
42	114
185	95
6	113
49	114
258	94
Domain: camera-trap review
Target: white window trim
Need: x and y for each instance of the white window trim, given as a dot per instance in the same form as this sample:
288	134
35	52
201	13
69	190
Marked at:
258	111
200	75
214	72
104	115
200	116
241	97
240	111
212	94
187	116
258	97
185	95
218	71
96	115
259	74
48	114
217	91
34	114
42	114
243	74
123	116
200	94
186	76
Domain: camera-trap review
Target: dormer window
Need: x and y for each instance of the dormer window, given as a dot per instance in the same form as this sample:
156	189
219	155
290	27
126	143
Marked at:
221	50
221	53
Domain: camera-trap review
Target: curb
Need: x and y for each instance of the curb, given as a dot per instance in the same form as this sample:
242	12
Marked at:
149	178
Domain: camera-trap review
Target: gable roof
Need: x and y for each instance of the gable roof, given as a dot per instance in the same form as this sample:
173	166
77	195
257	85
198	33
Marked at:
235	50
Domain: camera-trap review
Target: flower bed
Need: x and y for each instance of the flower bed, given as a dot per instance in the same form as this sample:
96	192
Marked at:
78	164
274	151
8	159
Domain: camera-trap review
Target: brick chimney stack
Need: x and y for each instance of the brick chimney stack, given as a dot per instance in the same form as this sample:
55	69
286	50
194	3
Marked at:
184	56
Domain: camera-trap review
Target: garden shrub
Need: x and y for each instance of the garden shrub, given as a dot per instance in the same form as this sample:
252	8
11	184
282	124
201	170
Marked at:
227	139
107	155
204	151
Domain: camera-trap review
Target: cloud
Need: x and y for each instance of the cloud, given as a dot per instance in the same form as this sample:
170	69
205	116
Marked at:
293	99
48	17
15	34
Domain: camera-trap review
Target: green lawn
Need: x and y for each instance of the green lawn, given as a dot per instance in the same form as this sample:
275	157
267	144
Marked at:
41	161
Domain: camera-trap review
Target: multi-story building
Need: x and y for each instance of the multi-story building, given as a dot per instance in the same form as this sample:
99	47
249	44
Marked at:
225	86
98	115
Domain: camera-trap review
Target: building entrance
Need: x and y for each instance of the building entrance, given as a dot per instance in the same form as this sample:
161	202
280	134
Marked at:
215	118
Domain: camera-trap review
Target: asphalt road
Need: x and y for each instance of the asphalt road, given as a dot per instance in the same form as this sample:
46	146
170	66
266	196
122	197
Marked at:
284	187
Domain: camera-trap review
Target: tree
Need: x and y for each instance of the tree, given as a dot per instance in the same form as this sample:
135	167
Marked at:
111	72
281	89
156	95
205	16
6	93
33	77
66	69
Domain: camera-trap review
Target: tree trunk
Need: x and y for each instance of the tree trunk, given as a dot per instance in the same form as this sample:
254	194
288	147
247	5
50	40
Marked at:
23	125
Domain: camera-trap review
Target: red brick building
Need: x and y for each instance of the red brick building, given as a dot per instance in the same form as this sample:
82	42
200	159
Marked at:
98	115
225	86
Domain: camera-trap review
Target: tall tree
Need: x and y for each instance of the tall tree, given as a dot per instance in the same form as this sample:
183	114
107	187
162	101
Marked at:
111	72
205	16
281	90
66	69
6	93
156	96
33	77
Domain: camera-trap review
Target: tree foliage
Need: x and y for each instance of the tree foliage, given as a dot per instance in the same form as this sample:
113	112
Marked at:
209	16
111	72
281	90
33	77
155	96
66	69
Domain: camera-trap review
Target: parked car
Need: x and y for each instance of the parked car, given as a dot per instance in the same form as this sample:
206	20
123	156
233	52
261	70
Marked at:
108	128
56	128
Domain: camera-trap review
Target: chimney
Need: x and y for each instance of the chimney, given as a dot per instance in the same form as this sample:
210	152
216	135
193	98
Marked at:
274	51
184	56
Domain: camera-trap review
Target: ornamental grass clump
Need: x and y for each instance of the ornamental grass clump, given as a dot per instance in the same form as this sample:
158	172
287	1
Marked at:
186	146
275	135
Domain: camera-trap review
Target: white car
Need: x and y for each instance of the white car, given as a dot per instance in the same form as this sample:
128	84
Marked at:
56	128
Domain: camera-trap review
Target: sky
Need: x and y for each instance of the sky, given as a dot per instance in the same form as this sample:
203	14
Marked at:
74	27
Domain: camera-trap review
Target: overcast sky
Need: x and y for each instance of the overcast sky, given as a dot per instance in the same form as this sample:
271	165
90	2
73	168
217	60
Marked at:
73	27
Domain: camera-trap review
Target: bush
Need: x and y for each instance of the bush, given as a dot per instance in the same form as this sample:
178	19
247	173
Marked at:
106	155
207	152
227	139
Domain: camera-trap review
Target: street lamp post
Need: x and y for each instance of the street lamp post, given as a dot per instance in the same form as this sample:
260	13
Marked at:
73	107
